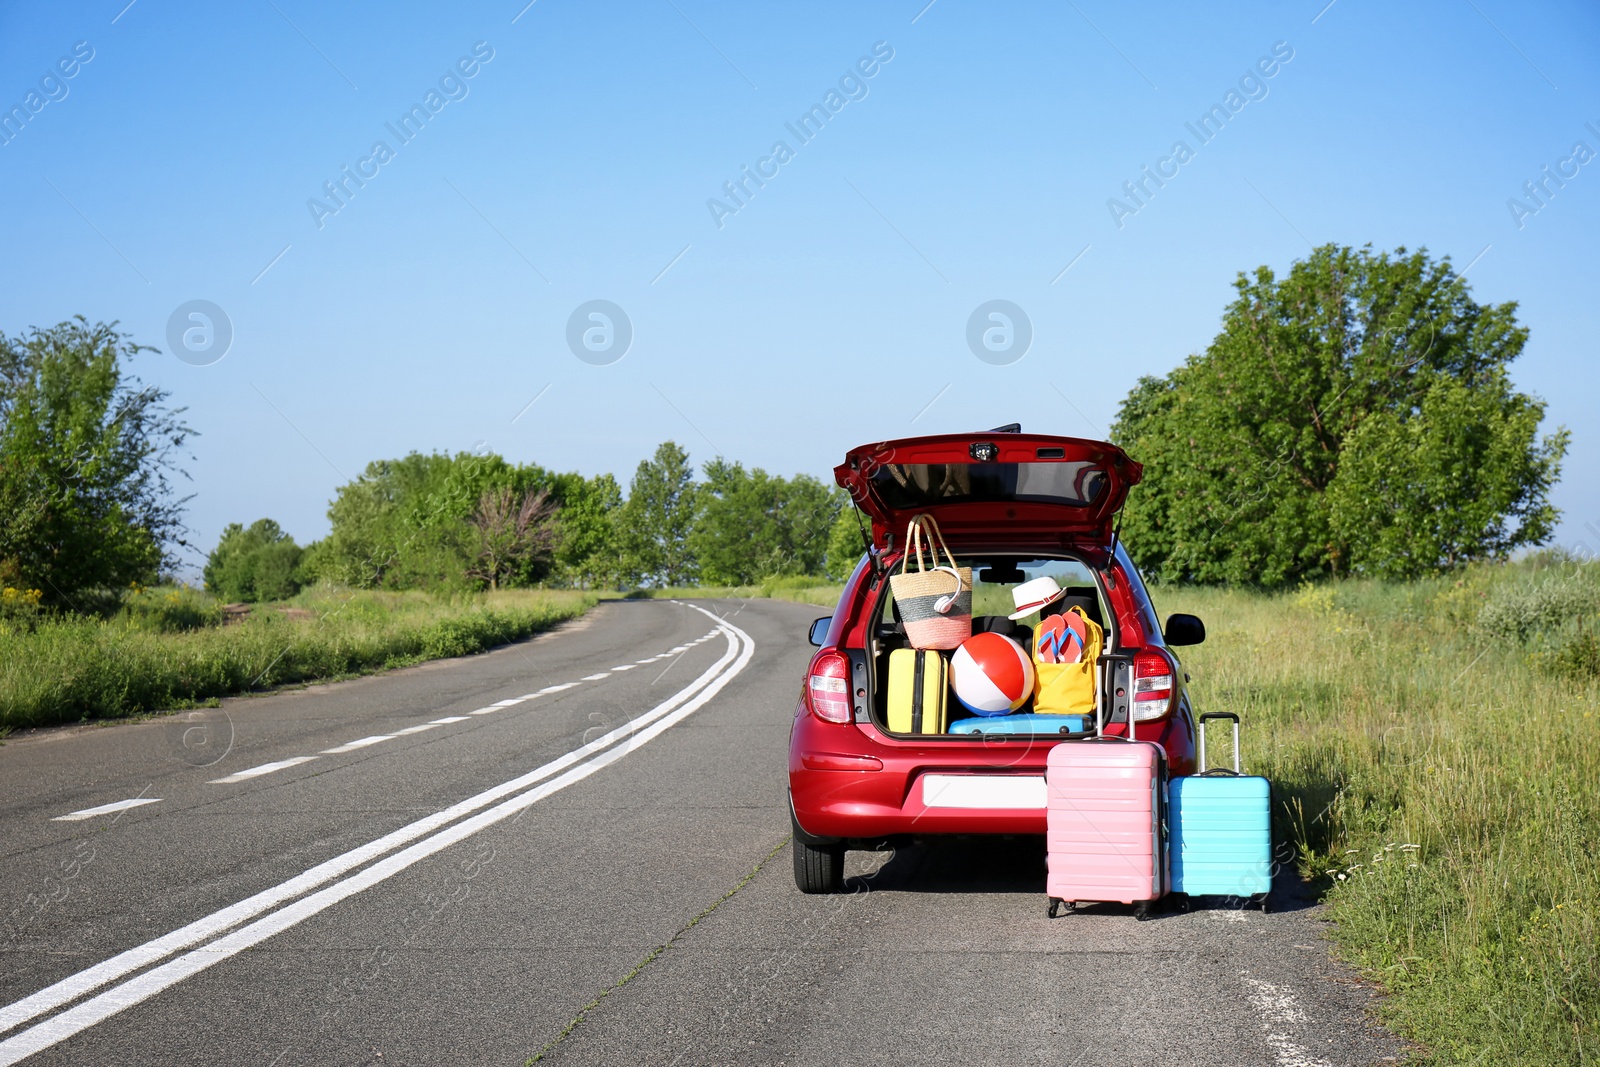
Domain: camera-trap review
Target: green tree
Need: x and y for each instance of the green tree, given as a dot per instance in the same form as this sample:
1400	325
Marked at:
417	522
654	524
1459	481
751	525
395	526
1354	416
87	459
587	552
258	563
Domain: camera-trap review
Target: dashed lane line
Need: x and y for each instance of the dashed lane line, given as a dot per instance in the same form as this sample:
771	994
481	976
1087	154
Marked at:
106	809
360	742
351	746
265	768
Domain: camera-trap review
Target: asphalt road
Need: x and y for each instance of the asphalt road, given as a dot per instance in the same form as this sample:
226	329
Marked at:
597	873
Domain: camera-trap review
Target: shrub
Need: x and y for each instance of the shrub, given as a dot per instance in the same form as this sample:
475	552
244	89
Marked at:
259	563
1578	658
1518	613
19	608
169	610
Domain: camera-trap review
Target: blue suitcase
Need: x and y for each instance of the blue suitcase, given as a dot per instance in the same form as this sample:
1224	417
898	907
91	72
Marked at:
1025	724
1221	825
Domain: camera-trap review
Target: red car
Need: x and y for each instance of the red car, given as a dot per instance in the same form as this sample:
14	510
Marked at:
1012	506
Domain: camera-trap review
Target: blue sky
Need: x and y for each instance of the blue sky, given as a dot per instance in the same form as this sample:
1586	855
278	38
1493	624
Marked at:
577	162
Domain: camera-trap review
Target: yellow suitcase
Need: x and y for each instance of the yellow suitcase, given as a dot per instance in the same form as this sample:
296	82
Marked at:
917	678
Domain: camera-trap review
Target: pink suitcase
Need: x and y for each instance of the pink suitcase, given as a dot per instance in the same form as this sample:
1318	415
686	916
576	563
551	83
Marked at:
1106	823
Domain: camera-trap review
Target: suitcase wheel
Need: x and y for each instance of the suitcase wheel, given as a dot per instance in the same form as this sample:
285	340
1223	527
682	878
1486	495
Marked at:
1143	910
1261	899
1056	904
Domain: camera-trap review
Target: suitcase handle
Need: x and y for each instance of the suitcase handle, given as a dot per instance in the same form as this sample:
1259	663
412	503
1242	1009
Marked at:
1201	730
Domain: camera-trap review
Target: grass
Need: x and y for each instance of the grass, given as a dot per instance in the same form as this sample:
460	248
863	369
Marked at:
168	649
1437	770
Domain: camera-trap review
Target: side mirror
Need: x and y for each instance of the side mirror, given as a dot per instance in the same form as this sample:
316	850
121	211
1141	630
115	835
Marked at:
1185	630
819	630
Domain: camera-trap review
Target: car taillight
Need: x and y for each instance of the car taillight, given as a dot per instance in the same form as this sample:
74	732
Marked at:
829	686
1152	685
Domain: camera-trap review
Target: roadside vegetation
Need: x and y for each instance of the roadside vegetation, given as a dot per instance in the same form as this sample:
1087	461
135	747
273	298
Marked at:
1434	748
170	647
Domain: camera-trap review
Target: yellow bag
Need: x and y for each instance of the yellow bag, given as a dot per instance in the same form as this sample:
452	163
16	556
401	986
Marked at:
1068	688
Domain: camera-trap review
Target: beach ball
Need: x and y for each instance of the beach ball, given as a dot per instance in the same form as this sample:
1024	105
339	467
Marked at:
991	674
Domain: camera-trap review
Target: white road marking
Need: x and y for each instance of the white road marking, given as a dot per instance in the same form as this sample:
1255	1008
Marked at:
490	710
415	729
106	809
360	742
624	667
594	677
1276	1003
509	703
634	733
1279	1010
265	768
682	648
556	688
448	719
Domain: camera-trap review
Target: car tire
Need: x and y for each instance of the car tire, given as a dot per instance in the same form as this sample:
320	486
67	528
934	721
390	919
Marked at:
818	870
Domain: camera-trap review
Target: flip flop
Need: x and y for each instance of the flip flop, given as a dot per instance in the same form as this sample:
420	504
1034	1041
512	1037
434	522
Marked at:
1074	639
1050	639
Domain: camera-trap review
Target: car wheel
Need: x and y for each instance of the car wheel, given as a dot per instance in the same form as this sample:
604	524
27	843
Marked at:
818	870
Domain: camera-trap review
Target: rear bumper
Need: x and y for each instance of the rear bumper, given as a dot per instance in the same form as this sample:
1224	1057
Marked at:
884	792
833	806
849	782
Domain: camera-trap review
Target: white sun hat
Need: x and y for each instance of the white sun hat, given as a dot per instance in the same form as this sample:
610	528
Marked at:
1032	595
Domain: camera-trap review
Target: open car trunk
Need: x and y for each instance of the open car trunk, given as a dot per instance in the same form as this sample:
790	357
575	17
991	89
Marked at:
992	604
994	488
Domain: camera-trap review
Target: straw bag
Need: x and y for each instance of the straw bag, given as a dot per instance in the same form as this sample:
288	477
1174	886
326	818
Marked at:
1068	688
935	602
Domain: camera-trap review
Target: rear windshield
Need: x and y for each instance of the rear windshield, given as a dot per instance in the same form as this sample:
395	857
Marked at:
913	485
993	580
